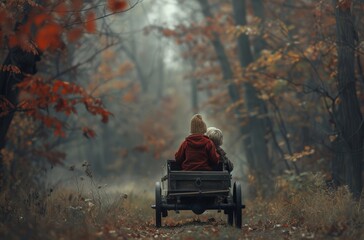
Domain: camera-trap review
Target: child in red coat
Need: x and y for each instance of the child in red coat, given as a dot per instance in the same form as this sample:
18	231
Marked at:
197	152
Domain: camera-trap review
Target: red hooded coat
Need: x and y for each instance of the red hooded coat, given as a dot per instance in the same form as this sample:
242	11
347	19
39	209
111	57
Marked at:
197	153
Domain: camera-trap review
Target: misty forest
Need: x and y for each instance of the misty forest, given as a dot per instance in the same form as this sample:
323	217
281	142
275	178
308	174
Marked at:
97	97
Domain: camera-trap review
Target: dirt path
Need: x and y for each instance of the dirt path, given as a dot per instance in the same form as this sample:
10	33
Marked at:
139	223
212	226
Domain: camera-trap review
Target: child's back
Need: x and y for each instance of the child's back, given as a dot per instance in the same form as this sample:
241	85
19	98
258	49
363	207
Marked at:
197	152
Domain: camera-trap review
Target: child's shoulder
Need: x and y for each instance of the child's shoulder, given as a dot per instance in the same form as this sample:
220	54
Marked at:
221	150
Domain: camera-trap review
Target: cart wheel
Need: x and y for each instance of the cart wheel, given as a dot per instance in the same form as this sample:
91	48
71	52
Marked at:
237	201
164	213
230	212
158	205
230	217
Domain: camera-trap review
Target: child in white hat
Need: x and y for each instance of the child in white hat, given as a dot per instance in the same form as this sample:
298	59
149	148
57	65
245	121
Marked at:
216	136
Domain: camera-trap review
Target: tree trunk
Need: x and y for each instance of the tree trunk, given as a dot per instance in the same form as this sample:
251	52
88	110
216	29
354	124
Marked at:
349	118
255	106
140	74
26	62
161	75
254	144
259	42
221	55
227	76
194	91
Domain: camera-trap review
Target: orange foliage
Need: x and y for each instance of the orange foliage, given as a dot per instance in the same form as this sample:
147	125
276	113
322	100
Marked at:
62	96
74	34
61	9
13	41
157	130
40	18
129	97
46	20
10	68
88	132
344	4
116	5
77	4
49	36
90	24
168	32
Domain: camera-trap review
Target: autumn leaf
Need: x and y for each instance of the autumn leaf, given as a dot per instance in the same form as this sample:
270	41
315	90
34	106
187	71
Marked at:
88	132
3	15
90	22
58	132
105	116
167	32
332	138
61	10
74	34
344	4
77	4
40	19
49	36
116	5
13	41
129	97
337	101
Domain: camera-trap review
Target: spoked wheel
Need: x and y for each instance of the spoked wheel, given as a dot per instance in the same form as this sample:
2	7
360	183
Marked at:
237	203
230	217
158	205
230	212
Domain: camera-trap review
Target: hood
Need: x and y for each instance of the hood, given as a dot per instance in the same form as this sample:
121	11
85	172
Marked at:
197	140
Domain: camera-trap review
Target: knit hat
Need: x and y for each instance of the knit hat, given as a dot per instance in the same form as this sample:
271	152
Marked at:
197	124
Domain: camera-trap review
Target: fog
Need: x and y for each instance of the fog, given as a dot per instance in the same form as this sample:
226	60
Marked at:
117	156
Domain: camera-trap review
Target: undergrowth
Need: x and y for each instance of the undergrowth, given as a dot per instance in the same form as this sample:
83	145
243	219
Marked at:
308	202
303	207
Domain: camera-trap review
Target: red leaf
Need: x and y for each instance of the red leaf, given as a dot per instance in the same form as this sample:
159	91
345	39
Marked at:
345	4
90	22
49	36
129	97
77	4
56	85
116	5
58	130
167	32
88	132
59	133
74	34
40	18
61	9
61	105
105	116
13	41
47	121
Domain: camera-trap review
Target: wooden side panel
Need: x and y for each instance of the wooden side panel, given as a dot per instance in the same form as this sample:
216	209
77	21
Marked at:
198	181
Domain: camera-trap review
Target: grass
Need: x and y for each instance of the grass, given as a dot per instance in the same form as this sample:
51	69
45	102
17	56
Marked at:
302	208
305	202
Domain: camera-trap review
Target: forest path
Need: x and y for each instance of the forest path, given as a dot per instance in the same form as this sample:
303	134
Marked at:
208	226
139	223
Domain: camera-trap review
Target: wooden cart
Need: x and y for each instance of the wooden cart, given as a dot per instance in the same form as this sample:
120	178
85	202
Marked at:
197	191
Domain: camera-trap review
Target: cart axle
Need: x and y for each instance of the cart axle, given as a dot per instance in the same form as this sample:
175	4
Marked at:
189	207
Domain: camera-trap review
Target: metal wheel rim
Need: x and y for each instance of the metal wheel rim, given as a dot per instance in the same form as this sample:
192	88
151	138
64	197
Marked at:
158	203
237	201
